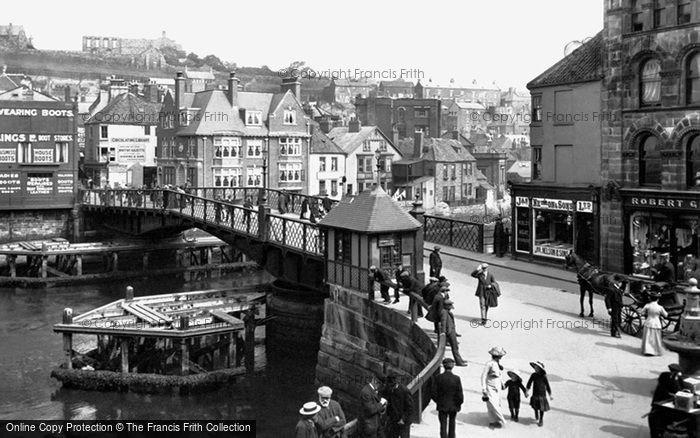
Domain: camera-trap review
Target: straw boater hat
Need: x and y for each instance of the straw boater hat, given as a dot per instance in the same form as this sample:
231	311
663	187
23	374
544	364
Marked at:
538	366
310	408
372	268
497	351
514	376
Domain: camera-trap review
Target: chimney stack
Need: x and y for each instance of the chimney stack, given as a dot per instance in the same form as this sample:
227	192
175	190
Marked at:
150	93
455	135
116	87
292	84
325	125
417	144
134	88
179	95
232	92
354	125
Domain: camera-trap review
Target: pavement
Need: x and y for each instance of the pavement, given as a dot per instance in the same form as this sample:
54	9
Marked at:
601	385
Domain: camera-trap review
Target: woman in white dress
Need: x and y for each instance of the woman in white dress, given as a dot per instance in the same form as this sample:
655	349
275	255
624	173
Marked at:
491	386
651	334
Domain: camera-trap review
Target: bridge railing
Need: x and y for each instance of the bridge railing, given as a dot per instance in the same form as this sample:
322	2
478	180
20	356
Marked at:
240	194
420	386
455	233
289	232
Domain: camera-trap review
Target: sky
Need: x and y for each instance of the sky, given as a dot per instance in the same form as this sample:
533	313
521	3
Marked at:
508	42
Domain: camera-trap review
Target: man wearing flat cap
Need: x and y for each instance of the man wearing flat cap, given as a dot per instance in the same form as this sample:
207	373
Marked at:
384	283
447	324
447	393
435	262
411	284
330	420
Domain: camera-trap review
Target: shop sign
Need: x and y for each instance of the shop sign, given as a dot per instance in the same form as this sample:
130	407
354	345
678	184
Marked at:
10	183
584	206
522	201
552	204
40	184
8	155
65	183
386	242
548	251
656	202
42	155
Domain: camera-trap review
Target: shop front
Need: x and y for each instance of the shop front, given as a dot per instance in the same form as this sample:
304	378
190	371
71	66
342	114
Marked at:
659	225
549	223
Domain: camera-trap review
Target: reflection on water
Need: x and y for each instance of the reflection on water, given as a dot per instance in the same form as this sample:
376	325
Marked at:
30	349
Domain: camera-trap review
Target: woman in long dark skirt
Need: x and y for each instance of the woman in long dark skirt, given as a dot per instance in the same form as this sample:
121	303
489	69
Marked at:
540	389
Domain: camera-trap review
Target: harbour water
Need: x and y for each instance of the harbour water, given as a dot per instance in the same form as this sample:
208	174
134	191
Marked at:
30	349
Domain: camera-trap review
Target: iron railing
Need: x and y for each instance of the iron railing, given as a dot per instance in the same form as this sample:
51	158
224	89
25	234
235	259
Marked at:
455	233
238	195
288	232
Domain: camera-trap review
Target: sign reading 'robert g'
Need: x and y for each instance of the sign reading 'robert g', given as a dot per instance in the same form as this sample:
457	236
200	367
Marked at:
657	202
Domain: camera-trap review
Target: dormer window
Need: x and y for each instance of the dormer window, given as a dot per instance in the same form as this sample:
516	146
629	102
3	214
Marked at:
253	118
290	117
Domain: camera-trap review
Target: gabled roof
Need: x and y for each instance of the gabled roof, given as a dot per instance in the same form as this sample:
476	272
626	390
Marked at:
24	93
6	83
521	168
372	211
215	115
582	65
128	109
322	144
462	139
349	141
445	151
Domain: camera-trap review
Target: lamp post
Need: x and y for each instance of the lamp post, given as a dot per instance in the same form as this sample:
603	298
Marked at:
262	199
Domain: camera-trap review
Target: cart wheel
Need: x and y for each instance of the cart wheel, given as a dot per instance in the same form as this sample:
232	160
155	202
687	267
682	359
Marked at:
668	324
631	320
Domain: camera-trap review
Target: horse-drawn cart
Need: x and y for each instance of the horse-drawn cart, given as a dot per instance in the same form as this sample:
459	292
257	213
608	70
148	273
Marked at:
637	296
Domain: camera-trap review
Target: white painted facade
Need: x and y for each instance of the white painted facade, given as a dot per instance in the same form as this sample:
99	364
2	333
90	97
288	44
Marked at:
326	176
126	148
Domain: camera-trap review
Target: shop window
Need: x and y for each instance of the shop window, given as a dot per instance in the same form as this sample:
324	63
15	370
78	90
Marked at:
650	84
650	237
692	82
692	154
554	233
649	161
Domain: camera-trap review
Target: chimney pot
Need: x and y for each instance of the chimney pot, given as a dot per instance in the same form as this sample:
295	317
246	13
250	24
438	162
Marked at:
418	144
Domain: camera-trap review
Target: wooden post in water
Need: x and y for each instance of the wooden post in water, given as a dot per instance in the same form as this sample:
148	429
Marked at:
68	338
78	264
44	265
12	261
115	261
125	355
232	350
129	294
184	357
249	320
145	261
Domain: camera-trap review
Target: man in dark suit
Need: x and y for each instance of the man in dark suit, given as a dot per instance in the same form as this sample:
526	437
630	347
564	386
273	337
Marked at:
448	396
384	283
399	408
613	302
485	286
447	322
411	284
670	382
372	408
435	262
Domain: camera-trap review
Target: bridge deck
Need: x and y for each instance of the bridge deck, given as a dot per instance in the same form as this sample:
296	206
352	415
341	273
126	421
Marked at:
284	229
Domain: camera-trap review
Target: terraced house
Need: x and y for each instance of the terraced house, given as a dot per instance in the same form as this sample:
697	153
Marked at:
231	138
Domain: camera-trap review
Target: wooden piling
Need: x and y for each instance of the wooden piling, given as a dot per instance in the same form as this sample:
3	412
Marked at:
125	355
79	264
68	339
12	261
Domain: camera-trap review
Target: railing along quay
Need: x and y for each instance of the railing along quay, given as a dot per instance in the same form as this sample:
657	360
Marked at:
292	233
455	233
421	382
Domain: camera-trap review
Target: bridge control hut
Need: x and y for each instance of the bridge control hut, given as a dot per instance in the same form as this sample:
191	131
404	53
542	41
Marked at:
371	229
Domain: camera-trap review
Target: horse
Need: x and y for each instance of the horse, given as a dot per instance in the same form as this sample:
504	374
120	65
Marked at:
592	279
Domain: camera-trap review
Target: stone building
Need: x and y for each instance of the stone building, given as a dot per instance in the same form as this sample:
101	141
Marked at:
651	134
13	37
233	138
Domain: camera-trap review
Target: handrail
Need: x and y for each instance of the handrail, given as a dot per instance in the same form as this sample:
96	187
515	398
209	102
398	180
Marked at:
416	385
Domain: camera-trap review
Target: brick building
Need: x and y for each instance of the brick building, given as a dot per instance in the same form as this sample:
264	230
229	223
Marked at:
38	165
651	135
401	118
234	138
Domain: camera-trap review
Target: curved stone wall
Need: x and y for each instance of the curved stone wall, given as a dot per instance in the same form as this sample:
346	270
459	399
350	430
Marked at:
360	337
